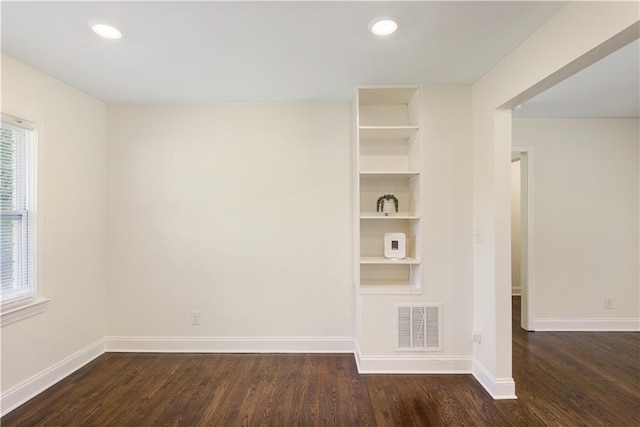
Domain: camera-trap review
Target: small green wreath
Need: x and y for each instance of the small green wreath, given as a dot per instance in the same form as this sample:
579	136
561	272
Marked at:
381	200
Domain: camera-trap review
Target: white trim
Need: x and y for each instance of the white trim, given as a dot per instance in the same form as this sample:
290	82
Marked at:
357	354
230	344
516	291
587	325
17	121
29	157
413	364
498	388
391	290
35	385
22	312
530	285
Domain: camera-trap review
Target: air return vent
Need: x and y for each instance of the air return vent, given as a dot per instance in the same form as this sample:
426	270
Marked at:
419	327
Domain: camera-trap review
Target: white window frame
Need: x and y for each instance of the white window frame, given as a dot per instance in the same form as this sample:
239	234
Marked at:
21	308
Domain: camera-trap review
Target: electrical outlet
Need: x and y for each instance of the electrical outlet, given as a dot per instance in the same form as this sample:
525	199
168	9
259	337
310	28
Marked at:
608	303
195	317
478	236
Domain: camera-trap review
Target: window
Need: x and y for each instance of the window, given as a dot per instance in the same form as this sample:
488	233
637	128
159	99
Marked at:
17	231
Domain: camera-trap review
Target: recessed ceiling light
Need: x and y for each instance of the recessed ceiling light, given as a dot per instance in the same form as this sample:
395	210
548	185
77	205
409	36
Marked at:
106	31
383	26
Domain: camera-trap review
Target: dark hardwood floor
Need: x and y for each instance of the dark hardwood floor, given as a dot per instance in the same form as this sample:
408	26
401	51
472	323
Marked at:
562	379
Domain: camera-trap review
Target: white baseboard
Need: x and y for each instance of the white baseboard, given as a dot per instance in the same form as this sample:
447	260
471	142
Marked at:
412	364
403	364
229	344
516	291
498	388
586	325
35	385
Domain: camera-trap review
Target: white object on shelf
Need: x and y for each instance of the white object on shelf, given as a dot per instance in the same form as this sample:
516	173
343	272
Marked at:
395	245
388	207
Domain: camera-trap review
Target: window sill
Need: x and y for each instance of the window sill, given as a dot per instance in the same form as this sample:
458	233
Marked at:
22	312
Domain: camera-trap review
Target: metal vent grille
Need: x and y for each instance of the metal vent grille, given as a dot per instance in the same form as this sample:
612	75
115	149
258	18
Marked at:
419	327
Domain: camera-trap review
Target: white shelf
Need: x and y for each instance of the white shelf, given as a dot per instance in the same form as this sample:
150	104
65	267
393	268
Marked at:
389	217
389	174
388	287
386	261
380	283
387	132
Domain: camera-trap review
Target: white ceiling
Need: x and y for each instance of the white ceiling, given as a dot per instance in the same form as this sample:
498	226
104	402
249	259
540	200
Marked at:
608	88
192	52
200	52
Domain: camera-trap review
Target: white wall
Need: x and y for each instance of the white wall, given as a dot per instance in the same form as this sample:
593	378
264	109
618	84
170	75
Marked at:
515	227
585	216
256	267
447	220
71	226
572	39
447	247
241	212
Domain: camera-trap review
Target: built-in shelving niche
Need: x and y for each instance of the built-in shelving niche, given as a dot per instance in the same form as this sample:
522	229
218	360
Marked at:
388	162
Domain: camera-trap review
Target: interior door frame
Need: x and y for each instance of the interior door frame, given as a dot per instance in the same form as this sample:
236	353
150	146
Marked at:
525	155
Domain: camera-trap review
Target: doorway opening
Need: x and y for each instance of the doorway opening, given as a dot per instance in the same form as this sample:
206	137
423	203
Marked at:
520	234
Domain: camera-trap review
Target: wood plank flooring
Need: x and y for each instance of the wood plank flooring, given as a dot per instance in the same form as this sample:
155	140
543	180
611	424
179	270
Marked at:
562	379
